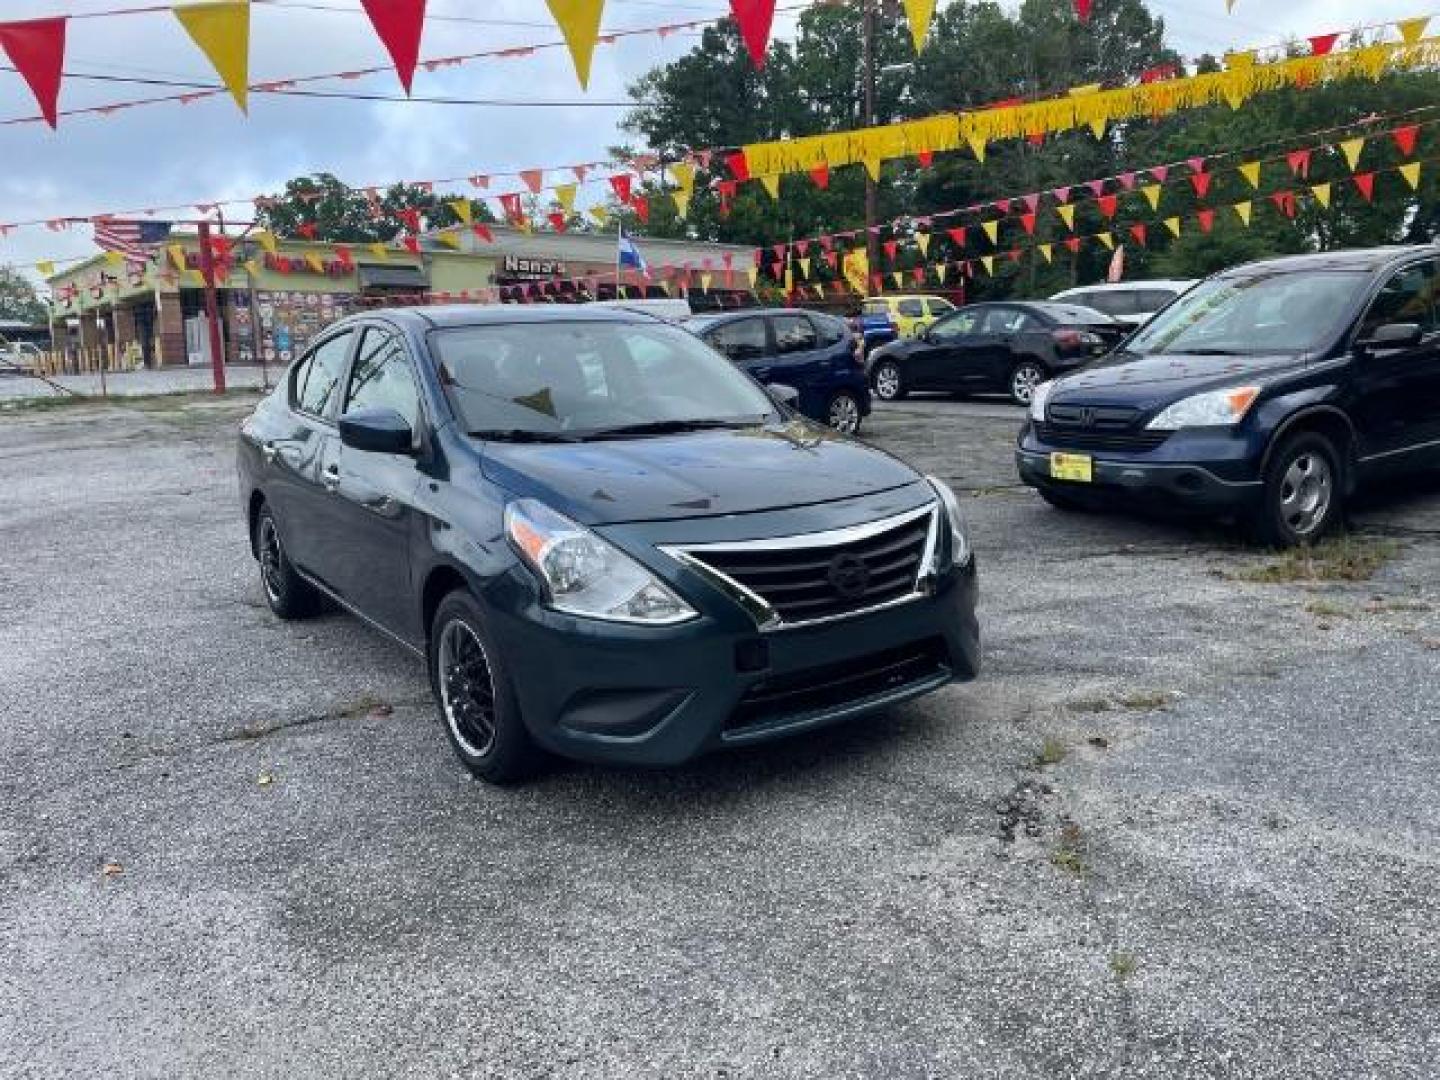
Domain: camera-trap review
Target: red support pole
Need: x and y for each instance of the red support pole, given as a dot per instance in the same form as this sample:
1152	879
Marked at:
212	308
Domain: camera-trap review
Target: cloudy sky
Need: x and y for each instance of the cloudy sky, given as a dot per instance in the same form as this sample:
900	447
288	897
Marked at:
204	151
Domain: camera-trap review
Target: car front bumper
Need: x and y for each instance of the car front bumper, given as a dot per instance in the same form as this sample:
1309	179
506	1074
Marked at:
663	695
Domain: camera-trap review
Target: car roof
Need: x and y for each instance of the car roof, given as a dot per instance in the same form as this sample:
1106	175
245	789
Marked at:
717	318
1127	286
1361	259
908	296
450	315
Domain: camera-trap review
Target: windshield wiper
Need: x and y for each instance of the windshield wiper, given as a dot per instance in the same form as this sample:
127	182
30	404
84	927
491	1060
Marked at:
525	435
667	427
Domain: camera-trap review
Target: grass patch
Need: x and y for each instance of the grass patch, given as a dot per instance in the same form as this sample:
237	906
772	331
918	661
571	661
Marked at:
1090	705
1052	752
1144	700
1068	854
1343	558
1381	606
1123	965
1324	609
146	402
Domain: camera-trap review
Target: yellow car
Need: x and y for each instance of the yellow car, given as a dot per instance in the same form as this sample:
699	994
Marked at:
910	314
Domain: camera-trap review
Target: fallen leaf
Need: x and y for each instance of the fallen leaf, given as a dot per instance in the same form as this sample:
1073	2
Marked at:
111	869
265	779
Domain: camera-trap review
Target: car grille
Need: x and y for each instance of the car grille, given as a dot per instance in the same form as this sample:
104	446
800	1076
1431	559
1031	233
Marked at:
832	686
808	578
1098	427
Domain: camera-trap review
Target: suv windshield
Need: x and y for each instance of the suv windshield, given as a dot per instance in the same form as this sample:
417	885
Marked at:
589	378
1267	313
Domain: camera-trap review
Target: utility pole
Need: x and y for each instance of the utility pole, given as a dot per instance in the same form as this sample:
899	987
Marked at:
872	212
212	307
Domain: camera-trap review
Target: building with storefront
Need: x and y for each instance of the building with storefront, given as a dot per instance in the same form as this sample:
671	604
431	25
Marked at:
271	302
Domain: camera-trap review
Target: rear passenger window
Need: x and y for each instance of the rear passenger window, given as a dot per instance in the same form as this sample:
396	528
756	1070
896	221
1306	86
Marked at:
741	339
831	331
317	379
1007	321
912	309
1408	297
793	333
876	307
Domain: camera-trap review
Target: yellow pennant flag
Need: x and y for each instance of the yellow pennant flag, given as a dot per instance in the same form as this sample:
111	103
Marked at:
989	261
992	230
313	262
1412	30
252	267
114	258
197	278
771	183
819	291
1107	239
380	252
266	239
177	256
462	210
1322	194
45	267
922	240
1152	195
222	30
753	273
1173	224
804	266
565	196
1244	210
1251	172
1047	252
600	214
872	166
857	270
705	280
1352	149
918	13
449	239
682	202
977	146
579	22
898	278
1411	173
684	174
1067	215
940	271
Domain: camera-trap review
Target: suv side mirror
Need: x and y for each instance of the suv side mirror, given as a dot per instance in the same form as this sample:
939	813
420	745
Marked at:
1400	335
376	431
784	396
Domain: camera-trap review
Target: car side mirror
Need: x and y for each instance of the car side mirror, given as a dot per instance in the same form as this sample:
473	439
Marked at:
787	397
376	431
1400	335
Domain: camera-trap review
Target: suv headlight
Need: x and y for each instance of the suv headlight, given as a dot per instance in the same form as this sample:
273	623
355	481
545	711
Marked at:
1039	398
959	541
1215	408
586	575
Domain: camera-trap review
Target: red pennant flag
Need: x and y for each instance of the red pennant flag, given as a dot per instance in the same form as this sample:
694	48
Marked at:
1073	243
1284	202
957	236
1139	233
801	247
1028	221
509	203
1321	44
343	254
1032	202
1082	8
1160	173
399	24
890	247
831	258
1127	181
641	205
820	176
754	18
557	221
925	157
738	166
1062	194
918	273
827	242
1201	180
1097	187
779	250
307	230
1036	138
1108	205
1158	74
877	283
1405	138
1197	164
411	217
412	245
533	178
1207	220
37	49
484	233
1365	184
1003	205
620	184
1299	162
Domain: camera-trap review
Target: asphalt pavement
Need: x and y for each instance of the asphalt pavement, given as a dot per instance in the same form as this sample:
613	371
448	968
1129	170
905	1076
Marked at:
1183	825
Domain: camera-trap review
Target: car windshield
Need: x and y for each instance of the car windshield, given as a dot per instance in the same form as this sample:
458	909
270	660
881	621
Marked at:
584	379
1266	313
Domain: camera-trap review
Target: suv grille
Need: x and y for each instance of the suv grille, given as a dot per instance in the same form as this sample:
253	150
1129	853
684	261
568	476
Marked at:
1084	427
803	579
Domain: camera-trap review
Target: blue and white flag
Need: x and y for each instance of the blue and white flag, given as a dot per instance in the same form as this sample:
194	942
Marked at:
629	255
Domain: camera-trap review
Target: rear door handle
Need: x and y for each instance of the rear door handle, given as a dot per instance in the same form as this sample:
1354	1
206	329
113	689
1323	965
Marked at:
269	451
331	477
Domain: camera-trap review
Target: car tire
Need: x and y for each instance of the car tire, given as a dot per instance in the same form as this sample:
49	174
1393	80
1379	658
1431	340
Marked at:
1024	378
288	594
1062	501
889	384
843	413
1302	495
474	696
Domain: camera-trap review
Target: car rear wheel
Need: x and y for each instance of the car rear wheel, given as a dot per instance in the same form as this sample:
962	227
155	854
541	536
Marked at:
289	595
843	413
1024	378
1302	498
889	384
476	701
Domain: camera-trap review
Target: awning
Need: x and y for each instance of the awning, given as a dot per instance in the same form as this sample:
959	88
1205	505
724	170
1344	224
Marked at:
402	277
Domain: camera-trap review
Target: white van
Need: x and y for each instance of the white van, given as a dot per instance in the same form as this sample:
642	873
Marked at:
1131	302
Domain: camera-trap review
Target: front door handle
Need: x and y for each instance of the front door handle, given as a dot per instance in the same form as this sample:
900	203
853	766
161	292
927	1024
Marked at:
269	451
331	477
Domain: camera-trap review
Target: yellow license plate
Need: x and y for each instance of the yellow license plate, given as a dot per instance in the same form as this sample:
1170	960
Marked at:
1077	467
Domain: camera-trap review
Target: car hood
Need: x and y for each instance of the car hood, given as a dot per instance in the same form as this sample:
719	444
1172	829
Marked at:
694	474
1129	379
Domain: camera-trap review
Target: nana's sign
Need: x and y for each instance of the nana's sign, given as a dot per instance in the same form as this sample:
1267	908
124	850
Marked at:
523	266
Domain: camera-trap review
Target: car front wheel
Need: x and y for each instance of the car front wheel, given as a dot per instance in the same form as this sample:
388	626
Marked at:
843	413
477	703
1025	377
889	384
1302	498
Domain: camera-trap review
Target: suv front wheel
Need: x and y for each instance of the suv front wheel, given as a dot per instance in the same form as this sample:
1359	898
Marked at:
1303	496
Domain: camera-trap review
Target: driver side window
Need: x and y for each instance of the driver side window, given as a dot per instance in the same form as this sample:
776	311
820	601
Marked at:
955	326
1408	297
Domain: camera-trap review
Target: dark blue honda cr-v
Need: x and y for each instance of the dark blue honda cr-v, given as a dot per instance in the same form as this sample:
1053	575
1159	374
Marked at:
604	539
816	354
1269	392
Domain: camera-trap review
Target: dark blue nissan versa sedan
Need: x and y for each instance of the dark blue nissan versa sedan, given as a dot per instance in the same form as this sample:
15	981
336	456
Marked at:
605	540
1269	393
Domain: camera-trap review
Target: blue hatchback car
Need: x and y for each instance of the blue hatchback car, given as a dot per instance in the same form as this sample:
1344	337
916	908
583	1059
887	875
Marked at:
604	540
816	354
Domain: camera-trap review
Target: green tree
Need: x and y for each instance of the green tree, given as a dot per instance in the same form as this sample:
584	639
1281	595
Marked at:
18	299
344	215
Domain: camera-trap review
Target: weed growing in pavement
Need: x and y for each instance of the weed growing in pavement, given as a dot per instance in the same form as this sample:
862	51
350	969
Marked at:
1326	610
1052	752
1343	558
1089	705
1123	965
1068	854
1145	700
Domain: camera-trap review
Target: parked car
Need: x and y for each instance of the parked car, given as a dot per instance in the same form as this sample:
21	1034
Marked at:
19	357
874	328
817	354
604	540
986	348
909	314
1270	392
1133	303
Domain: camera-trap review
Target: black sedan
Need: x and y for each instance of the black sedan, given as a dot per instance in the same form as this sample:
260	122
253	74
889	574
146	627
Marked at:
987	348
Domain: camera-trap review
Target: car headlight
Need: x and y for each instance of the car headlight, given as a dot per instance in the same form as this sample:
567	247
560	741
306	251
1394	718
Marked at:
586	575
959	540
1215	408
1039	398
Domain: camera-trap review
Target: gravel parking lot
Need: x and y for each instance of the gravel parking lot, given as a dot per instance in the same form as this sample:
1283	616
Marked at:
1183	825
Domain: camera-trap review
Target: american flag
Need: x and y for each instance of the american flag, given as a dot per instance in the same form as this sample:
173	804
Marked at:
133	239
